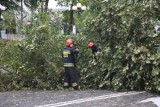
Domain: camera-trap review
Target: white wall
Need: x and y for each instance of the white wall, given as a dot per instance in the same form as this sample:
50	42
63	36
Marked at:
11	36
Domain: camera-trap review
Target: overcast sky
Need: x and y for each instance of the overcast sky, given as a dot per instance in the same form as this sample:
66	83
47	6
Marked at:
52	4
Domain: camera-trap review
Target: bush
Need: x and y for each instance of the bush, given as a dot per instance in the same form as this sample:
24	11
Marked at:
128	60
127	30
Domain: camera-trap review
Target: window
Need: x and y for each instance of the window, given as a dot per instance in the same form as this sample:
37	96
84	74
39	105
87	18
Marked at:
13	31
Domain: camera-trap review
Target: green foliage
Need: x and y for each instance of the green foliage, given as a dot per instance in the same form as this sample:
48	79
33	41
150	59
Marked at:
9	21
32	4
35	61
128	30
124	31
10	4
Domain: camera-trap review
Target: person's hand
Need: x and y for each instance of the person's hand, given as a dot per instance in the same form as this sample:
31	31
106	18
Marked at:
77	49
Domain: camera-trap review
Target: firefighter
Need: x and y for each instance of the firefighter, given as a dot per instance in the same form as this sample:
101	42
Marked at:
69	56
93	47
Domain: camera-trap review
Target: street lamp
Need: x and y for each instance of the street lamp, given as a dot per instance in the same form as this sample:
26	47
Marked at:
78	8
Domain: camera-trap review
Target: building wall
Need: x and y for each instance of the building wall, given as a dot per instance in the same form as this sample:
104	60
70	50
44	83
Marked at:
11	36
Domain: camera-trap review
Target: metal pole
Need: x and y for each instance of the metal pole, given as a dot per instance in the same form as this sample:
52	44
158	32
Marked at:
71	18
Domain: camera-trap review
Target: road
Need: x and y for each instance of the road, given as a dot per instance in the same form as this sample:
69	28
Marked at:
83	98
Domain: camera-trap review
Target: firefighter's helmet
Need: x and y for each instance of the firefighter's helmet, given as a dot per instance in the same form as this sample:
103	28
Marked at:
69	42
90	44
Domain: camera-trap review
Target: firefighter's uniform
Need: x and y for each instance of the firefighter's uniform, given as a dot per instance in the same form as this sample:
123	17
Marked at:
93	47
70	75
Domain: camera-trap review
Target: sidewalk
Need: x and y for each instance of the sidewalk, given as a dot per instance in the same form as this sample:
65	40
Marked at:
83	98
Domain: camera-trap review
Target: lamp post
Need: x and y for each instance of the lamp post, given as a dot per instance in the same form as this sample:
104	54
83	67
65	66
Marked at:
78	8
2	8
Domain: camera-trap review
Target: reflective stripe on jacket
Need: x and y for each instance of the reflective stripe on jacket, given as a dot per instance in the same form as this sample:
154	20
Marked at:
68	65
69	56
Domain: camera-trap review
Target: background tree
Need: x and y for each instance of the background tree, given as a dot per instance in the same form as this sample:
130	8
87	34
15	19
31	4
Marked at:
10	4
34	4
9	22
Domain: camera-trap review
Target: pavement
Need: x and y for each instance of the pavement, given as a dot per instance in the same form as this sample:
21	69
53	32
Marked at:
82	98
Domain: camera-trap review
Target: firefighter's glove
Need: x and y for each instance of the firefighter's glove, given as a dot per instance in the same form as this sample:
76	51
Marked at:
77	49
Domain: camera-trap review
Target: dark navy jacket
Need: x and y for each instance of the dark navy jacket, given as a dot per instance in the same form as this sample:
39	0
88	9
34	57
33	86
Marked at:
69	56
95	49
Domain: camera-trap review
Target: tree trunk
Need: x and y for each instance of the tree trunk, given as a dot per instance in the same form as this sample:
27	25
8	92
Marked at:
46	5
